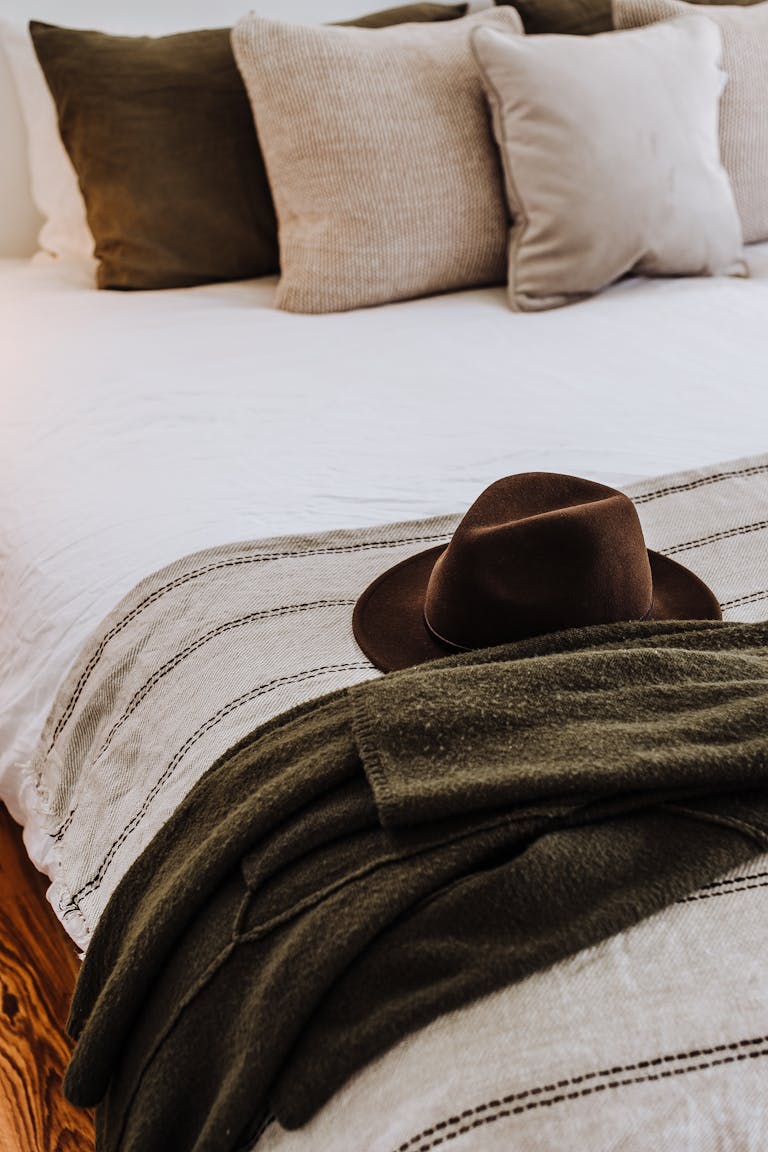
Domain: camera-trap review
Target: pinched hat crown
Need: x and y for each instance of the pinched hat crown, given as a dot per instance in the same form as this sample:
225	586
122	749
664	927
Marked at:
538	553
535	553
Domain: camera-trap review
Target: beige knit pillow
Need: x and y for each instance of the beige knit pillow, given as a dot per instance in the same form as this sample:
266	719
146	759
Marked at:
383	167
744	109
611	157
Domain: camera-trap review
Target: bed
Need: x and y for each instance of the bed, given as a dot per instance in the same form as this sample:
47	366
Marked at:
140	429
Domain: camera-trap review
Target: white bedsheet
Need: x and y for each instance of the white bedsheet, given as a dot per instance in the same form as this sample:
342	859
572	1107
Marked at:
139	427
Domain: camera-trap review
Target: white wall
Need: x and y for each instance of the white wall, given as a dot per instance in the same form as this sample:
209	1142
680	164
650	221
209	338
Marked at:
19	220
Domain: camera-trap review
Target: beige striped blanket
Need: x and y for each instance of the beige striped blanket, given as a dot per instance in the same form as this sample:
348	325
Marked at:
657	1038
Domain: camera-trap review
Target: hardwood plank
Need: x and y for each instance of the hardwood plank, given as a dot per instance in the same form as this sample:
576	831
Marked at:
38	970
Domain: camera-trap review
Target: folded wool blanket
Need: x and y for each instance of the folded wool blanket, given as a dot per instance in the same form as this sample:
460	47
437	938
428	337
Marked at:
390	852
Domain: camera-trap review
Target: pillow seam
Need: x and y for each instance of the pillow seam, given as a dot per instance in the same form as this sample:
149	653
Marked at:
516	205
516	234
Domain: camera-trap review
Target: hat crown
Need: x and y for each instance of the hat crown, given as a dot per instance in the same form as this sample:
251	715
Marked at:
536	553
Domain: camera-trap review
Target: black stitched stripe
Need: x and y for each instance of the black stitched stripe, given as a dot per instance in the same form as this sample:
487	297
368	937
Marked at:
735	880
608	1079
62	828
692	485
750	598
206	637
237	561
234	562
94	882
729	534
711	895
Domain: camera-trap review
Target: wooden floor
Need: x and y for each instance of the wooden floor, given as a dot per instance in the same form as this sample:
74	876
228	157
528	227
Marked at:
38	969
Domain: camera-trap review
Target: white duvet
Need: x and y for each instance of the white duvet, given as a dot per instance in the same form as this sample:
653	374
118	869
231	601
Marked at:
140	427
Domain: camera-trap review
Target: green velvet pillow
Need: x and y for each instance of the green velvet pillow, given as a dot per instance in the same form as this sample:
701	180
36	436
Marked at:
578	17
161	135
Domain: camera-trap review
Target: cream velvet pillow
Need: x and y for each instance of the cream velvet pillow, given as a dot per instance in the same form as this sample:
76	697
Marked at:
744	108
384	172
611	157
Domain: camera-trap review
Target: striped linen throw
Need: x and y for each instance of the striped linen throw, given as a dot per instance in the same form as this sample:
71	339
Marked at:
655	1038
207	649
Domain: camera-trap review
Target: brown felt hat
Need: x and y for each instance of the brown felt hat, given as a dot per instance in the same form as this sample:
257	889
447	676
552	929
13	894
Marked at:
535	553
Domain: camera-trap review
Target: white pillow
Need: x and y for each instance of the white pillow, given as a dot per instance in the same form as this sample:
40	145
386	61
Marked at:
611	157
744	110
55	189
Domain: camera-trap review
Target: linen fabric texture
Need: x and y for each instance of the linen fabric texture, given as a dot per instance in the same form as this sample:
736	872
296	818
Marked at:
575	17
382	164
211	616
744	106
394	851
242	632
601	179
161	135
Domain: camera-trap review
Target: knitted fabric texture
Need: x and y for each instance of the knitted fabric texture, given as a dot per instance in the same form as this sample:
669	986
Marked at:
386	179
393	851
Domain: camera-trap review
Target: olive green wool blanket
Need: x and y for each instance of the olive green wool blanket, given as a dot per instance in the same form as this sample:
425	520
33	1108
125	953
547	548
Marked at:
393	851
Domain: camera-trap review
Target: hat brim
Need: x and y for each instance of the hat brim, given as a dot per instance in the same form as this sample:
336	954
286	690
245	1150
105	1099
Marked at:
388	620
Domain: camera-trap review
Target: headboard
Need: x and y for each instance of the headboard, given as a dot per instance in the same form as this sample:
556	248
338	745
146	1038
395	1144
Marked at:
19	219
